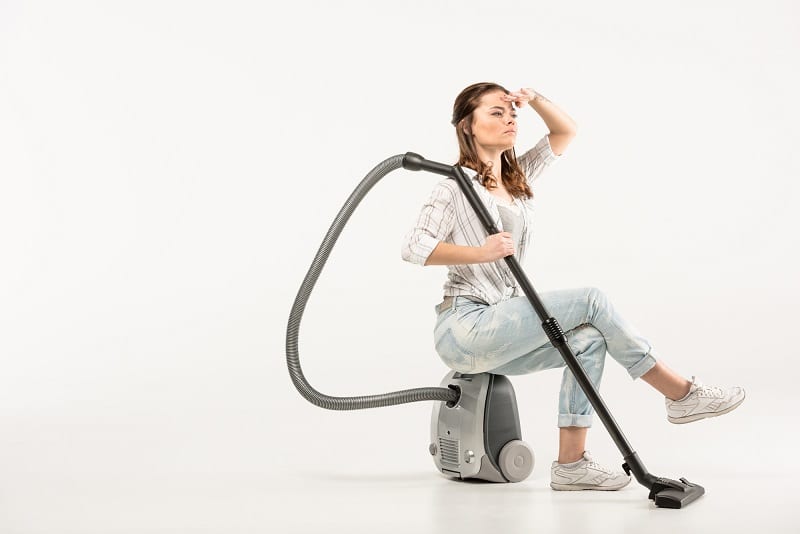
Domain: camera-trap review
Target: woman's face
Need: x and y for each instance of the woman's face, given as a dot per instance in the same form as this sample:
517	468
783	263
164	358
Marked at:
494	122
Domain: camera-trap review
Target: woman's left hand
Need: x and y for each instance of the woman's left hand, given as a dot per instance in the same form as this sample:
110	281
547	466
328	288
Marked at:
521	97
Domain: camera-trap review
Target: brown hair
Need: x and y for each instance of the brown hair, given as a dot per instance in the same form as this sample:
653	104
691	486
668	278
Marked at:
513	177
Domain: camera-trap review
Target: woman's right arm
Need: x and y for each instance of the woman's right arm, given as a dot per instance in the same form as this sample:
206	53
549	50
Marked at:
495	247
426	243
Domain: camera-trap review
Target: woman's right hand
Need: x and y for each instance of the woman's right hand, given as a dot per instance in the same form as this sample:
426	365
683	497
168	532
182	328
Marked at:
497	246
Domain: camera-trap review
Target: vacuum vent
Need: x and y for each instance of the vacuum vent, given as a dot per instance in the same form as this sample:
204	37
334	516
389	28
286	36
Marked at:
450	450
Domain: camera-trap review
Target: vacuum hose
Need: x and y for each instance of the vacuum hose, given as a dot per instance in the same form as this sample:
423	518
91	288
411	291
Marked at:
292	355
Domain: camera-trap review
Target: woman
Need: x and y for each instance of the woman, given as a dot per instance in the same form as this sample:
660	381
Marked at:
486	324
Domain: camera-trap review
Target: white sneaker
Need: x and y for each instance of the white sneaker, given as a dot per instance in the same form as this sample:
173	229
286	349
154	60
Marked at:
586	474
703	401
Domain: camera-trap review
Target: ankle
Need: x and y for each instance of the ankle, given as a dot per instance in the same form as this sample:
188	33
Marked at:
566	458
681	393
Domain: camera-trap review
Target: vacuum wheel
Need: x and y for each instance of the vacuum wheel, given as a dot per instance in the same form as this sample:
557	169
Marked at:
516	460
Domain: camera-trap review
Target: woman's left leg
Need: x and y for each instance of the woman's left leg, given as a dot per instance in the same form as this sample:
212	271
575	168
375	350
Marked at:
574	409
589	345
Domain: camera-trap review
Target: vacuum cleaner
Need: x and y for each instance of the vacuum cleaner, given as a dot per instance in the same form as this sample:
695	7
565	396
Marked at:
475	430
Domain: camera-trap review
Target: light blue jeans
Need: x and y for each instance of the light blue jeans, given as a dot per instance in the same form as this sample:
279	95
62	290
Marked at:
507	339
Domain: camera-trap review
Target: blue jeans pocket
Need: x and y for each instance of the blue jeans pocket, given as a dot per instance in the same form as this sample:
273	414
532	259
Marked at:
452	353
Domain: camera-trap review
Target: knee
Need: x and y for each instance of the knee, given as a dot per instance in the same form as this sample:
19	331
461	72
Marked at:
597	302
595	294
587	340
589	347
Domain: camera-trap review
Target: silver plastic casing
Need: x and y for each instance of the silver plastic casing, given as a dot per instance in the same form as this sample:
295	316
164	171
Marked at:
460	445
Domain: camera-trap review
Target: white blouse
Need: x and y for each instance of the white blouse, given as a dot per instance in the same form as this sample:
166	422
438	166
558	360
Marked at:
447	216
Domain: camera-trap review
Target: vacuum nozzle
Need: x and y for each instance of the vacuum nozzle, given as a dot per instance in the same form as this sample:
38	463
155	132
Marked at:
665	492
668	493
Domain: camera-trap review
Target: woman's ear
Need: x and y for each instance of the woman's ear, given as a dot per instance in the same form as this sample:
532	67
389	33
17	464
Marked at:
463	124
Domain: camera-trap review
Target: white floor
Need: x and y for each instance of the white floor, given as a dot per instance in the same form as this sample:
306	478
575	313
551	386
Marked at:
419	502
368	471
389	501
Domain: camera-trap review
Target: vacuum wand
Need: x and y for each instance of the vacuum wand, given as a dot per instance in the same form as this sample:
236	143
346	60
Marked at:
666	493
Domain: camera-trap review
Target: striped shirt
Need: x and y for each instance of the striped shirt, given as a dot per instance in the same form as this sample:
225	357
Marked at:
447	216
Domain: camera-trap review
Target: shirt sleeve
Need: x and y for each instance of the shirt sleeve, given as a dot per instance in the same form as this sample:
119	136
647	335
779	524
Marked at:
434	224
537	159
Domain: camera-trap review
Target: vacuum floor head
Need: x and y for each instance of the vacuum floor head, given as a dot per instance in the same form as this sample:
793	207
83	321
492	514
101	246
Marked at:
668	493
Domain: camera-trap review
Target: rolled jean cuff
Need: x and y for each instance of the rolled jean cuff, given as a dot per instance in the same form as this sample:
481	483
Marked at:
571	419
642	366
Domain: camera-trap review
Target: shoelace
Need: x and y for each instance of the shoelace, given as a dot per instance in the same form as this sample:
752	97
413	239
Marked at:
709	391
595	465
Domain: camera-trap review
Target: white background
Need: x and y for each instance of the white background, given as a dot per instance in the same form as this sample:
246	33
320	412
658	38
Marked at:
168	170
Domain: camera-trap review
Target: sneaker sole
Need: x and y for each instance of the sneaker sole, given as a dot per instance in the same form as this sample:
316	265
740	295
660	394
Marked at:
580	487
698	416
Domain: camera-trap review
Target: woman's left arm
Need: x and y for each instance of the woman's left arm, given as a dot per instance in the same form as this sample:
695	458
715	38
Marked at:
562	128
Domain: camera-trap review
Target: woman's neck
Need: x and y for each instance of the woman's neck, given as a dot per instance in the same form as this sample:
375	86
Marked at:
493	157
